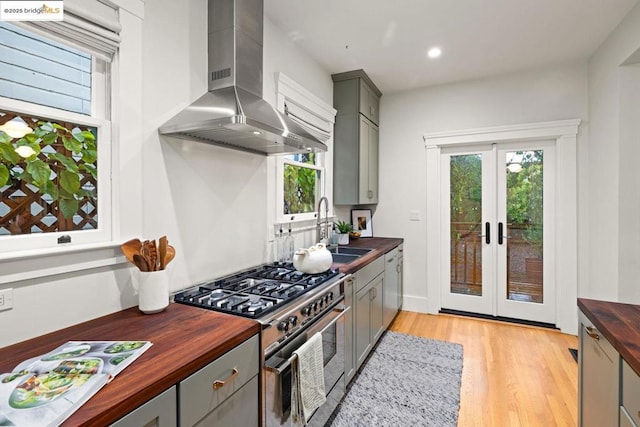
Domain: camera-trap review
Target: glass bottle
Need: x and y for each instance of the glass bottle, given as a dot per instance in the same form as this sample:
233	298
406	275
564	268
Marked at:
279	246
290	244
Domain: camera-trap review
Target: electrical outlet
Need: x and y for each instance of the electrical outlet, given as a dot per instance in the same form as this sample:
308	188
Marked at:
414	215
6	299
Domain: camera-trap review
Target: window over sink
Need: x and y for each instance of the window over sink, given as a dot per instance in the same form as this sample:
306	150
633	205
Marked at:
302	179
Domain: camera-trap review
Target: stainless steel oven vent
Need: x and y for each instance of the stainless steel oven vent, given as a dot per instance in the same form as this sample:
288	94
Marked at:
232	113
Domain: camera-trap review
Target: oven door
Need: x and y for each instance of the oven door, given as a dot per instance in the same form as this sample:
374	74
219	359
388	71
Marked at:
278	371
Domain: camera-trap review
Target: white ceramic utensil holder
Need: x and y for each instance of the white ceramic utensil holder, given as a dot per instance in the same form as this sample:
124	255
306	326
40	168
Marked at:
153	291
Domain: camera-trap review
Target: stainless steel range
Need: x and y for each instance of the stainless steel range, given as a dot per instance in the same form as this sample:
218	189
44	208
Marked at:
291	306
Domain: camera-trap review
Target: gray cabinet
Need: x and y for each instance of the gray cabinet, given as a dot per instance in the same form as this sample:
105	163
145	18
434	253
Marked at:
392	282
225	392
368	316
630	399
369	101
161	411
598	378
349	353
356	139
355	93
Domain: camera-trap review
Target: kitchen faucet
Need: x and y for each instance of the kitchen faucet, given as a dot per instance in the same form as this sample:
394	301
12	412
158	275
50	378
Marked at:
322	234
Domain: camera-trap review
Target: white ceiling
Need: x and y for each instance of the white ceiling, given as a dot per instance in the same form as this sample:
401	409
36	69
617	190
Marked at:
479	38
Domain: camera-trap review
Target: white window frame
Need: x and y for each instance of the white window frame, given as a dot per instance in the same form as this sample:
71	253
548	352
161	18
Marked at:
43	241
320	189
288	91
102	93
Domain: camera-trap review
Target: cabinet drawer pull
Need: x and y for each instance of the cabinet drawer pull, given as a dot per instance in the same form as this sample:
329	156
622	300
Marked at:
221	383
591	331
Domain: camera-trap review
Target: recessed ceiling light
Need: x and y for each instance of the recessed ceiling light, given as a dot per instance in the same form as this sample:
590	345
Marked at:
256	132
434	52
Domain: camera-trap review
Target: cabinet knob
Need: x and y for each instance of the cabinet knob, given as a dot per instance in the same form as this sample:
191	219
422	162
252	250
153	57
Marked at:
221	383
370	194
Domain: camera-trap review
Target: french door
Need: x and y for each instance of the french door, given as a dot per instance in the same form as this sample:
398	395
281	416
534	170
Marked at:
498	206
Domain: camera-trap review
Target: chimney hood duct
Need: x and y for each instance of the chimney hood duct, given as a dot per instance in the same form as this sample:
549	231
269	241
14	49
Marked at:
232	113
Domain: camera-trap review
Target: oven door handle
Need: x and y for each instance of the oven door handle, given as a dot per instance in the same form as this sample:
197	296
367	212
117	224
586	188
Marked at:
329	320
333	317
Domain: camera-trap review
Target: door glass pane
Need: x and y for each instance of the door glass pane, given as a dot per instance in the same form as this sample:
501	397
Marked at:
524	171
465	224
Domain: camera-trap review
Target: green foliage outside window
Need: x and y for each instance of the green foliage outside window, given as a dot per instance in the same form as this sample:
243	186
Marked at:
53	159
465	194
525	197
299	189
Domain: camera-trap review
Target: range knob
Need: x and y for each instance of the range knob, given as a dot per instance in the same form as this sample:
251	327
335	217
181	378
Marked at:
331	296
293	320
321	302
283	326
306	310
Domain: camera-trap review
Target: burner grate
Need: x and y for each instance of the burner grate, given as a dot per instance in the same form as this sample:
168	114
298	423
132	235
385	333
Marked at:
254	292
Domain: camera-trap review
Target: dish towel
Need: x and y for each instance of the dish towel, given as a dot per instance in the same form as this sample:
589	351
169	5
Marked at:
307	380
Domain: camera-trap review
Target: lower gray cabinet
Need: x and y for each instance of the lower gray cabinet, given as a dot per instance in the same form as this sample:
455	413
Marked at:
630	402
391	286
241	409
368	326
160	411
598	378
349	353
225	392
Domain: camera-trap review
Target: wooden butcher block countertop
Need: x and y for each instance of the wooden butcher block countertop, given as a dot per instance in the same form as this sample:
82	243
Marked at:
185	339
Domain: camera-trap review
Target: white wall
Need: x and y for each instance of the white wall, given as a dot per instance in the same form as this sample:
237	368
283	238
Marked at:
532	96
614	187
211	202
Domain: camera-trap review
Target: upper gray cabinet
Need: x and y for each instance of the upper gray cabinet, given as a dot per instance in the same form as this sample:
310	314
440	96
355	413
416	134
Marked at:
357	100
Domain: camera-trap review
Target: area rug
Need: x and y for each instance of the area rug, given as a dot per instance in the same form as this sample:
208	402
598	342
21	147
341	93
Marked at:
407	381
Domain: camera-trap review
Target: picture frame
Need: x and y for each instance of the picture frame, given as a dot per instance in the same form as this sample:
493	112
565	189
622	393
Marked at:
361	221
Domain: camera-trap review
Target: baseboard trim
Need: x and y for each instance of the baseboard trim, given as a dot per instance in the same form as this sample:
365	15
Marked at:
499	318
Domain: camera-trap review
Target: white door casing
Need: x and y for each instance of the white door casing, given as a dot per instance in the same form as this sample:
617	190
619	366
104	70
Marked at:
564	133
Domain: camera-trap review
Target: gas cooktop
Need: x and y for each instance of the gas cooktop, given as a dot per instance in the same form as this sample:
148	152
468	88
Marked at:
254	292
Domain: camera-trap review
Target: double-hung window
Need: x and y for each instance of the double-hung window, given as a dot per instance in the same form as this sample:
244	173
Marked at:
55	130
303	178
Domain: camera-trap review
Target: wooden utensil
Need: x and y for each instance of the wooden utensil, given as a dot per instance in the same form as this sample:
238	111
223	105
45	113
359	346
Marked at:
162	251
131	247
145	251
171	253
153	255
140	262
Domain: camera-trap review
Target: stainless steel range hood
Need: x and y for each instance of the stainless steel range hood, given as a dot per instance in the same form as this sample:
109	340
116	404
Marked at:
233	113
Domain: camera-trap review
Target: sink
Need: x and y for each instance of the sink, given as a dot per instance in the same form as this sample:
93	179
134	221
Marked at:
350	250
344	258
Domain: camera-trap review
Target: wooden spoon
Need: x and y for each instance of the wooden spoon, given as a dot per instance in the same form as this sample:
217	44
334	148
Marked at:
171	253
162	251
131	247
140	262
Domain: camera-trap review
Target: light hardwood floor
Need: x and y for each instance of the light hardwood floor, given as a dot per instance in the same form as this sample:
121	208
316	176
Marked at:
512	375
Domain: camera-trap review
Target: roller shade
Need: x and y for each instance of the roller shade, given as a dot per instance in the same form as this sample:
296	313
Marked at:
91	25
314	124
